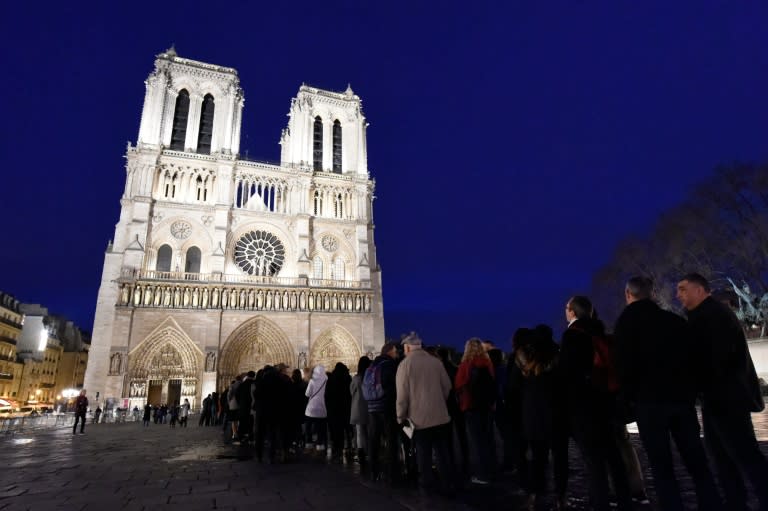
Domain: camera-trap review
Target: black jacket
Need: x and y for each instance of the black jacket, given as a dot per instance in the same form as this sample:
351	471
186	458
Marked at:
576	360
654	355
729	380
338	400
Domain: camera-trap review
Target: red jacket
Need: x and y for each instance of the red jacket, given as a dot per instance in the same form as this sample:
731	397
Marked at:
462	379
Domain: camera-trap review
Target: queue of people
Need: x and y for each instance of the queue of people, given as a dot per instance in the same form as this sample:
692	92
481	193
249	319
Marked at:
416	416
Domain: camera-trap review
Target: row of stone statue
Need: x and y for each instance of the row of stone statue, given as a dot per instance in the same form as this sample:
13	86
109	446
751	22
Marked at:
139	388
203	297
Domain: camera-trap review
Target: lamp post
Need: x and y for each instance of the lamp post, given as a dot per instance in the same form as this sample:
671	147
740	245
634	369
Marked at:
69	394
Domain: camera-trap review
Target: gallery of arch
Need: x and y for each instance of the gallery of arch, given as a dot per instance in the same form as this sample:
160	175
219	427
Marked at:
220	265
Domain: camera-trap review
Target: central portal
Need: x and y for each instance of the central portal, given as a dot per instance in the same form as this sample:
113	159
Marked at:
174	392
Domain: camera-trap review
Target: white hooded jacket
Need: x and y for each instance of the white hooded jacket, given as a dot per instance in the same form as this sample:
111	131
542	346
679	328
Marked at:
316	394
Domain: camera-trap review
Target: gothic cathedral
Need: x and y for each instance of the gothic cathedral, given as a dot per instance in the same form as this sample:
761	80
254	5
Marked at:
221	265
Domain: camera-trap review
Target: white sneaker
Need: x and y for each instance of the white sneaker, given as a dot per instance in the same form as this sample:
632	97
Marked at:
477	480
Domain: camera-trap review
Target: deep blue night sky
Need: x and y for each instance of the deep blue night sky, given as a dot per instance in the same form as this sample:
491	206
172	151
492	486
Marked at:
513	144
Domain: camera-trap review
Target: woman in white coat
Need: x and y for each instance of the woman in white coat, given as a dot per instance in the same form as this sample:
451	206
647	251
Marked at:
316	412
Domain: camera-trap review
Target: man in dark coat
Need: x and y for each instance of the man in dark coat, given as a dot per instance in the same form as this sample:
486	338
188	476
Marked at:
244	402
590	411
730	391
338	403
658	379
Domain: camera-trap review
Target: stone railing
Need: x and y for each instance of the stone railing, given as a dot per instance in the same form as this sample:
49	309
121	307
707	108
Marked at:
232	296
129	274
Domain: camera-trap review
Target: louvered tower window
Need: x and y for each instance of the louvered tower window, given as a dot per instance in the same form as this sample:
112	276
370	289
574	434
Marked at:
206	125
317	144
337	146
179	133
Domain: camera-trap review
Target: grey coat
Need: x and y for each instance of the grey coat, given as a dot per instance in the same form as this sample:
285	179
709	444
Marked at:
359	413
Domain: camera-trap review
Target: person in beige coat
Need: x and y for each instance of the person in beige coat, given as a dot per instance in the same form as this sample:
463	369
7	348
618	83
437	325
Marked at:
422	389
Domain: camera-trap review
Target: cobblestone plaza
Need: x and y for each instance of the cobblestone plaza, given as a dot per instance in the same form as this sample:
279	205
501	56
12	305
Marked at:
125	466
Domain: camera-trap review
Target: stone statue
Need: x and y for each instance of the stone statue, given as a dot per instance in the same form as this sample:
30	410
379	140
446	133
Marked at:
115	363
210	362
753	311
302	360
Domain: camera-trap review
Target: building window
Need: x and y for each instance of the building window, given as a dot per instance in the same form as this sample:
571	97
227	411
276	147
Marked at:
179	133
338	269
317	267
338	206
200	189
206	125
337	146
164	254
318	204
317	144
192	264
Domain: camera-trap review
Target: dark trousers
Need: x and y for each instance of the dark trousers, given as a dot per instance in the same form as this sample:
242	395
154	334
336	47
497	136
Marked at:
244	424
338	431
460	428
437	439
658	422
318	426
533	456
731	440
560	440
79	417
267	432
481	441
383	429
593	434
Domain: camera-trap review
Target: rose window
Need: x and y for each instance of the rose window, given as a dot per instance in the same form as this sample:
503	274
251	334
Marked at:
259	253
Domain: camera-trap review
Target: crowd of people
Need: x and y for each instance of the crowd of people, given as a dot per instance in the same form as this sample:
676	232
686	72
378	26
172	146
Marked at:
411	414
172	414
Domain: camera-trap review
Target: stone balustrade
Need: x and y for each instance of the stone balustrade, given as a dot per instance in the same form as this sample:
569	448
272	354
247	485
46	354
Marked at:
146	293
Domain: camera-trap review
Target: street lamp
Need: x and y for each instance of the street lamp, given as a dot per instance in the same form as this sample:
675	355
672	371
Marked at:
69	394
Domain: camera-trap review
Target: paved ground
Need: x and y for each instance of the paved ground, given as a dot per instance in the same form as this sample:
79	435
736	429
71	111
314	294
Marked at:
125	466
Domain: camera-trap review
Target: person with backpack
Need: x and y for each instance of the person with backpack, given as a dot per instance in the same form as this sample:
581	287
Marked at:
379	391
589	379
476	390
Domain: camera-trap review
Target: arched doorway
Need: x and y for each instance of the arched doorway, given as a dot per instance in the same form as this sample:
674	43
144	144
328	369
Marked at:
335	345
254	344
164	368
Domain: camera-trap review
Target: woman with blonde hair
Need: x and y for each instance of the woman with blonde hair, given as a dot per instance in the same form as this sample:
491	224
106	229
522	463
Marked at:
476	391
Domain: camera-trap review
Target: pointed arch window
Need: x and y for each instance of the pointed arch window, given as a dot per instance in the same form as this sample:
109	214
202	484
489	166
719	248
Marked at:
192	264
318	203
164	255
180	114
206	125
317	144
338	269
199	189
317	267
337	146
338	206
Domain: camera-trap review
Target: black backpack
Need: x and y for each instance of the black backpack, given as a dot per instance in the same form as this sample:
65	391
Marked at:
482	389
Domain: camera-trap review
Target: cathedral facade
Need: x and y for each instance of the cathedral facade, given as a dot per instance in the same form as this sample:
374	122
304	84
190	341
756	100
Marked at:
220	265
